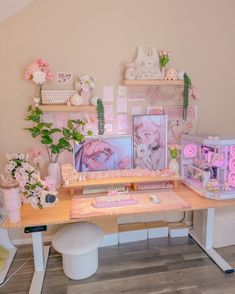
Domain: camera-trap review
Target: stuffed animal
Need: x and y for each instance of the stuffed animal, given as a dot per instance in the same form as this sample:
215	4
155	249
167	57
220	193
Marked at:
76	100
145	66
171	74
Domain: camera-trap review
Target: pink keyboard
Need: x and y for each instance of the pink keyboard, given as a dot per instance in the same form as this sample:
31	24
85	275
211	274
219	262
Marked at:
114	201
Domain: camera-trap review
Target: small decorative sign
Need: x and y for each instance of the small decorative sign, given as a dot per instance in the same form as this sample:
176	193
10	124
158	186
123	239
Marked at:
64	78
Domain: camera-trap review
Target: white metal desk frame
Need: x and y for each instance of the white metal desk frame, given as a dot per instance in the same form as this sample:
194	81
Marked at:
5	242
41	252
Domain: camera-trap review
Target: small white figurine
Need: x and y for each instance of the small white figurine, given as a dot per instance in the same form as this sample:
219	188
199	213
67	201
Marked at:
76	100
171	74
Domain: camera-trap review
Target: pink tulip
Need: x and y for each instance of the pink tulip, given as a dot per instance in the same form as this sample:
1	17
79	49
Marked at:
34	152
42	62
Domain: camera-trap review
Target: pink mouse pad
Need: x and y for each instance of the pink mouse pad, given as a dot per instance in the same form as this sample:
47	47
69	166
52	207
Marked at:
82	207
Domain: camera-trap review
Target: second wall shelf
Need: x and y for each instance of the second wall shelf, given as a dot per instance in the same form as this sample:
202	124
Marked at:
66	108
153	83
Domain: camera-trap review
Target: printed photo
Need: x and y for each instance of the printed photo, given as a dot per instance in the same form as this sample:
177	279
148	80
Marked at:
65	78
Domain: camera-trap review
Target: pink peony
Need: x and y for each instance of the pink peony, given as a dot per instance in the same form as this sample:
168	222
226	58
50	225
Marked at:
37	66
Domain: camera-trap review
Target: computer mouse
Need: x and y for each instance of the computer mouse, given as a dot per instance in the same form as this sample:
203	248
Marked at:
155	199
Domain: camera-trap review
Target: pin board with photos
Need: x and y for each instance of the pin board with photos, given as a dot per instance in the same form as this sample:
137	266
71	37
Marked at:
123	103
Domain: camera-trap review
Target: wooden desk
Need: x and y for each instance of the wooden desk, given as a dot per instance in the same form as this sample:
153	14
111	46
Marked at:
60	214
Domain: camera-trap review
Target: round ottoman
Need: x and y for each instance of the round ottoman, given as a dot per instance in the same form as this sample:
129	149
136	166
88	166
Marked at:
78	243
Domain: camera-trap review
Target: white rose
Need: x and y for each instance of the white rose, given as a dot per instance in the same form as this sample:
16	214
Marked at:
39	77
21	156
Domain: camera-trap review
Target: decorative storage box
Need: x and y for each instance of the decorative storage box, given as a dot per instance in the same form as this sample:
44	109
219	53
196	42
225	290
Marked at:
132	232
178	230
57	96
157	229
208	165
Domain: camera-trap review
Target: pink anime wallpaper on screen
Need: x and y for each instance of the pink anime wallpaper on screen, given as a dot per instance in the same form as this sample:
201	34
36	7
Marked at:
149	133
103	154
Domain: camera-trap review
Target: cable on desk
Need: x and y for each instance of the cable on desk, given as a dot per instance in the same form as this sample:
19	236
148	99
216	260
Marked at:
12	275
180	221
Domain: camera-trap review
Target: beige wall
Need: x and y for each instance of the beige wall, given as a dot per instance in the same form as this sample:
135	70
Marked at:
99	36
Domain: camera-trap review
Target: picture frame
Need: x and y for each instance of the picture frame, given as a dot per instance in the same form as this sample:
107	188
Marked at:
64	78
154	110
100	153
150	141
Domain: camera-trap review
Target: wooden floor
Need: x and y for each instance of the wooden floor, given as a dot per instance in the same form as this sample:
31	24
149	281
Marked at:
155	266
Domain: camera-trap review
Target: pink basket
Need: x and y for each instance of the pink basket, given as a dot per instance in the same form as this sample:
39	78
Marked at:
14	216
12	204
12	199
57	96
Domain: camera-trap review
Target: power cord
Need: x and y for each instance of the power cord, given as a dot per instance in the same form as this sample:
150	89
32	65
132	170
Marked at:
12	275
180	221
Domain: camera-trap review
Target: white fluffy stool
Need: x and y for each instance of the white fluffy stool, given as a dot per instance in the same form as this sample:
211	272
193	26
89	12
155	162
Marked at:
78	243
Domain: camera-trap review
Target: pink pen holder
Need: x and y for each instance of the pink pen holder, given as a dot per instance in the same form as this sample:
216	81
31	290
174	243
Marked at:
12	201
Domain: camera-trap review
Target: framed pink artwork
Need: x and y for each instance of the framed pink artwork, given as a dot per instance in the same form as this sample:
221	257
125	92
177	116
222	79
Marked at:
154	109
150	141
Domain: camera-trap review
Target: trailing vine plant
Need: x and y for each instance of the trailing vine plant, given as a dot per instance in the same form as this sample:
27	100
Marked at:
187	87
100	116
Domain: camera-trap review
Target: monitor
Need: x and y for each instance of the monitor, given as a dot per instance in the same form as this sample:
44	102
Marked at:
103	153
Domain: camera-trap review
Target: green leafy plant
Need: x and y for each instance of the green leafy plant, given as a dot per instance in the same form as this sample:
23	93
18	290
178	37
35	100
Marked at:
56	140
187	87
100	116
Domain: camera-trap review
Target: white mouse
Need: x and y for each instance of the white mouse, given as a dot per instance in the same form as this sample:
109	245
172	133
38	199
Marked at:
155	199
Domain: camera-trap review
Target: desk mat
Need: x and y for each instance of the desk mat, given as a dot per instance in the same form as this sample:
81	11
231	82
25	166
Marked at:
81	206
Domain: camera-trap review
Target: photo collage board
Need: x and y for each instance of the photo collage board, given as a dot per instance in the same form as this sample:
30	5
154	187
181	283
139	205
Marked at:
142	113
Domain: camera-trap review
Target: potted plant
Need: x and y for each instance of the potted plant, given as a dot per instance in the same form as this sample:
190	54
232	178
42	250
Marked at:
100	117
186	94
56	140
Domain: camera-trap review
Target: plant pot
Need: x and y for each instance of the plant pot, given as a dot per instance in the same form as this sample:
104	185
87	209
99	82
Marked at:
174	166
54	172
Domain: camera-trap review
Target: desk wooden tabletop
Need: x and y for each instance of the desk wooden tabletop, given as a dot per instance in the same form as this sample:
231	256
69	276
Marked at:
60	213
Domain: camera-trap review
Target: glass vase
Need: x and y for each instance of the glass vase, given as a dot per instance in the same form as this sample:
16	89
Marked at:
54	172
174	166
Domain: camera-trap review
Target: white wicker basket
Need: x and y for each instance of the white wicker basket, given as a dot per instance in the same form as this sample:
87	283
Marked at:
57	96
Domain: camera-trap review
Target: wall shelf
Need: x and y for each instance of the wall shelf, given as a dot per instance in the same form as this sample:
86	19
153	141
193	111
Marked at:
66	108
153	83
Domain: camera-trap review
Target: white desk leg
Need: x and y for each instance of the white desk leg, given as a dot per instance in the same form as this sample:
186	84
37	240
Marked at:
207	241
6	243
40	261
